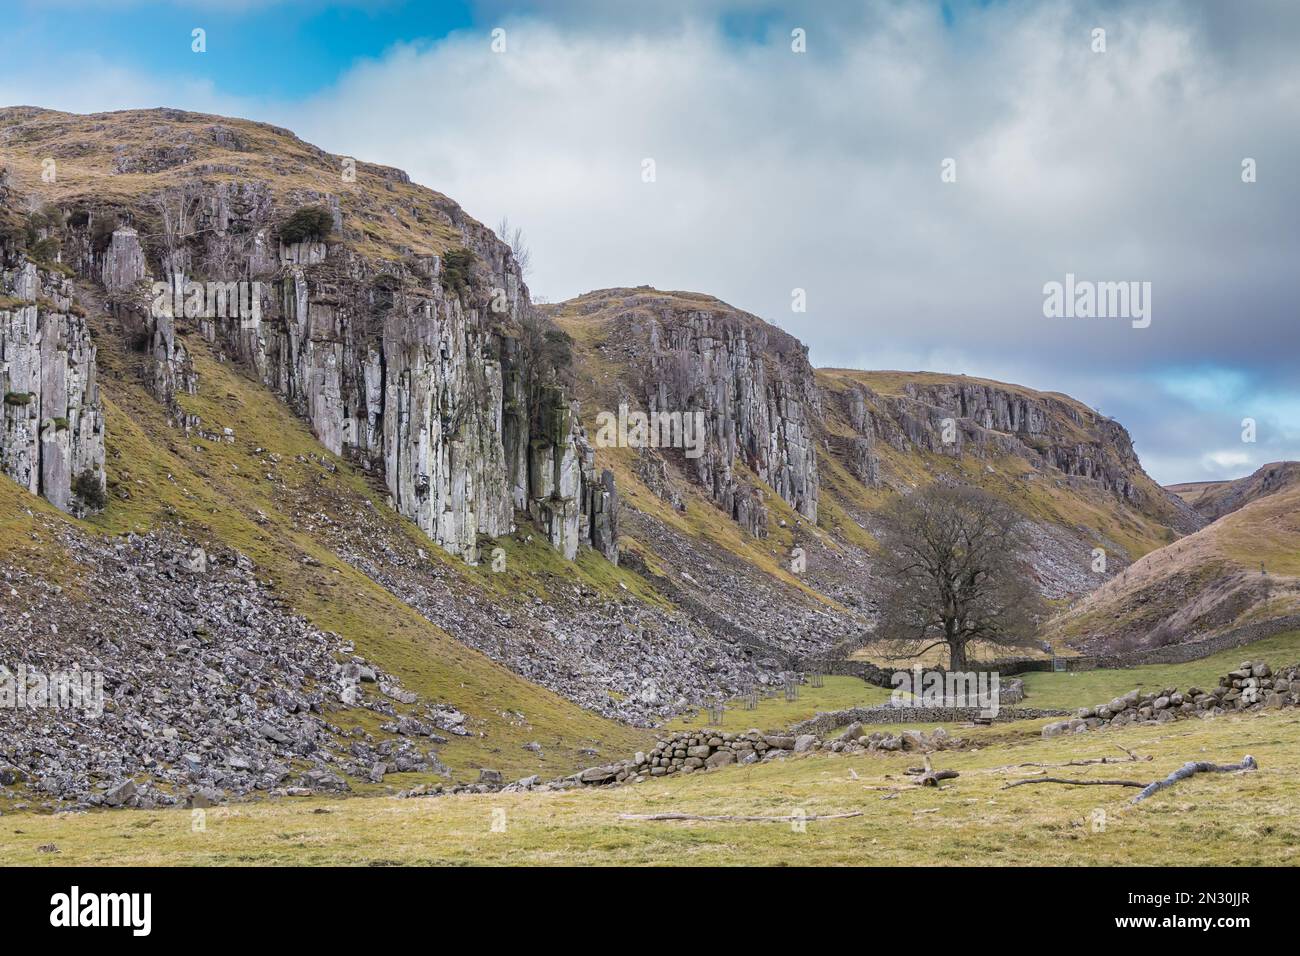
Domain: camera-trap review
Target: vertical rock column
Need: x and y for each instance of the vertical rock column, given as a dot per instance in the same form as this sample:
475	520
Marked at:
756	407
52	431
171	372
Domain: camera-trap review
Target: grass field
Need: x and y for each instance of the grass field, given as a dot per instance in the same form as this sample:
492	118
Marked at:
777	713
1046	691
971	821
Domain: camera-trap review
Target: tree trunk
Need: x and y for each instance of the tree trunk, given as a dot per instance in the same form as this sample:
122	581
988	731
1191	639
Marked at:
956	654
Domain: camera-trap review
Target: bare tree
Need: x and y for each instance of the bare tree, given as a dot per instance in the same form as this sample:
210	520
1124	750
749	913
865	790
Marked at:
513	236
177	211
955	573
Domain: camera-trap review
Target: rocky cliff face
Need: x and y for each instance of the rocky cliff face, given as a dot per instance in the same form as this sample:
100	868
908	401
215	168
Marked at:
402	336
956	416
431	388
1074	442
750	381
52	429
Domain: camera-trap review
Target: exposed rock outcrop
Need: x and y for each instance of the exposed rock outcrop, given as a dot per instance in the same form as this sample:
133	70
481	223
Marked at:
52	424
403	332
985	419
750	381
123	264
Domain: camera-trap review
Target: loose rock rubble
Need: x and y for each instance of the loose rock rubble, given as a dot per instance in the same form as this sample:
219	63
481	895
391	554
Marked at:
211	688
622	658
1251	686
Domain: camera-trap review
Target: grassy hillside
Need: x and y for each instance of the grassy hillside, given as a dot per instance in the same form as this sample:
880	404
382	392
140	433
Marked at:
112	160
1243	567
1044	495
1214	499
1196	491
1084	514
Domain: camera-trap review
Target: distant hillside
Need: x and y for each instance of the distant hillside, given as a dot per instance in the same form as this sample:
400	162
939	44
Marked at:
1214	499
1243	567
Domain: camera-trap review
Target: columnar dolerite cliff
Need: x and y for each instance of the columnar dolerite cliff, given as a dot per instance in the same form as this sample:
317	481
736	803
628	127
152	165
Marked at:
400	329
751	381
1070	438
52	429
959	416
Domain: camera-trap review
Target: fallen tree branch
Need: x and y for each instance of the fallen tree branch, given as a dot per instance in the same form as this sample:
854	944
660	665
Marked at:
1182	773
932	778
1074	783
1132	758
729	817
1191	768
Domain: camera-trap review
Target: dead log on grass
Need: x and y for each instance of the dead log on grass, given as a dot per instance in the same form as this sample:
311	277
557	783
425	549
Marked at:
1089	761
734	818
1074	783
1193	767
1186	770
929	777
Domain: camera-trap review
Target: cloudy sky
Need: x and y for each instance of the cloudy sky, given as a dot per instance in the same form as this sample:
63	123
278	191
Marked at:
822	169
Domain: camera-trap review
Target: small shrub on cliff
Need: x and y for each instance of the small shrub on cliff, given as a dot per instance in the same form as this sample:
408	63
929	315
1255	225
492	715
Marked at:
86	486
48	217
557	348
43	232
45	251
18	399
308	223
457	268
102	233
549	349
13	231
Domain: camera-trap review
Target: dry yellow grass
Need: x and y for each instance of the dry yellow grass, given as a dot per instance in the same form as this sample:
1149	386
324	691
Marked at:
385	218
971	821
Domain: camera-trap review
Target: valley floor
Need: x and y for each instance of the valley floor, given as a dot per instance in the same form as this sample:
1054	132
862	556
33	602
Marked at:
1230	819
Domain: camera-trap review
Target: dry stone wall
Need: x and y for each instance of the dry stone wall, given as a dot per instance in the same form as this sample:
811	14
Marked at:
1253	685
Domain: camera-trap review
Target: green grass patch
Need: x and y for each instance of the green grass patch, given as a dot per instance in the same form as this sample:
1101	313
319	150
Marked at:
777	713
